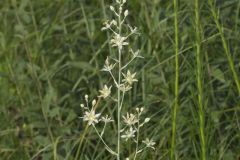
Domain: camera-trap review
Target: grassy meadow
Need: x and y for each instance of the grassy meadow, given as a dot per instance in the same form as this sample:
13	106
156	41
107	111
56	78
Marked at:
52	53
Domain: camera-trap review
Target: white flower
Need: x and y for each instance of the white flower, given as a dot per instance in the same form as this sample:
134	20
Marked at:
114	22
129	134
106	119
105	92
107	25
130	119
124	87
118	41
107	66
149	143
136	54
129	78
133	30
91	117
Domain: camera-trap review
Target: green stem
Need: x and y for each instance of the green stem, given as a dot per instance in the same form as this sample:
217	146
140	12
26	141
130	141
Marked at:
199	80
174	112
81	141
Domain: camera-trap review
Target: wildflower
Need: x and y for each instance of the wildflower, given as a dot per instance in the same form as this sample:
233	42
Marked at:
129	134
130	119
136	54
105	92
149	143
106	119
119	41
133	29
107	25
124	87
129	78
108	67
91	117
114	22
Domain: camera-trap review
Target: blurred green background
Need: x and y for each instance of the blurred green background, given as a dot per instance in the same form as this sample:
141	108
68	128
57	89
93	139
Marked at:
51	54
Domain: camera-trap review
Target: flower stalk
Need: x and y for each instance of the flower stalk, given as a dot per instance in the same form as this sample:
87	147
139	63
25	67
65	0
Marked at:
123	80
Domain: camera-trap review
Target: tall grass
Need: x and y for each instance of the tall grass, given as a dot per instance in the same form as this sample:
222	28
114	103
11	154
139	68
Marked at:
176	101
225	45
200	80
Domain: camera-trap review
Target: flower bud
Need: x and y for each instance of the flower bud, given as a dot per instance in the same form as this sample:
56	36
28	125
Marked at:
126	13
94	102
86	97
146	120
112	8
137	109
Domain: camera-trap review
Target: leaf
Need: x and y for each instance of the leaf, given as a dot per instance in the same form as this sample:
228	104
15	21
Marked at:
71	116
219	75
81	65
42	140
47	99
54	112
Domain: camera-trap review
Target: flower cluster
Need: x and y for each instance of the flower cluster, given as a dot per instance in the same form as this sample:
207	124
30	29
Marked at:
123	80
90	116
133	123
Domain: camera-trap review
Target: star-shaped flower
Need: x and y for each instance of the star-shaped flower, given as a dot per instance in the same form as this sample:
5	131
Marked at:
91	117
124	87
105	92
130	119
129	134
149	143
106	119
119	41
107	66
129	78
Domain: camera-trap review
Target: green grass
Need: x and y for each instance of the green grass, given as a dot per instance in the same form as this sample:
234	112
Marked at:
51	53
175	108
200	81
